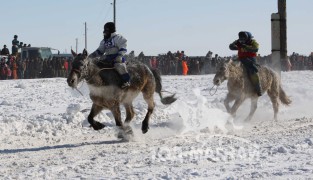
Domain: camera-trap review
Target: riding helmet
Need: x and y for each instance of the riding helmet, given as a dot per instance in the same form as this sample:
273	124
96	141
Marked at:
109	27
243	35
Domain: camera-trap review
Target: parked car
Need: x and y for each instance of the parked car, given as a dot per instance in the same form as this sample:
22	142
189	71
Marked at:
35	52
65	56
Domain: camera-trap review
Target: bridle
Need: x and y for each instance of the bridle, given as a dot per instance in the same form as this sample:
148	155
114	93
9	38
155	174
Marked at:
81	70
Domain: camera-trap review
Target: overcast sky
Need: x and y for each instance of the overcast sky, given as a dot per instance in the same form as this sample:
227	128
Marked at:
155	26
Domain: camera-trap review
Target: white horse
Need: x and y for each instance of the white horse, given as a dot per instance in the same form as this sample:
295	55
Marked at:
240	87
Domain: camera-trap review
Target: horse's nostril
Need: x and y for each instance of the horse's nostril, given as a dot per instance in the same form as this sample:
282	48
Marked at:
72	81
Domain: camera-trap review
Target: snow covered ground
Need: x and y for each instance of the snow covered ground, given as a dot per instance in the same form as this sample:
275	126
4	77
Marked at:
44	134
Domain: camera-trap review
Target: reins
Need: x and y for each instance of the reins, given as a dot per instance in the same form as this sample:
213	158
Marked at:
79	91
210	91
214	91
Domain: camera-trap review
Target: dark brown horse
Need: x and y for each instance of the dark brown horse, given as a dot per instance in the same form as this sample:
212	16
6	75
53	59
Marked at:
105	91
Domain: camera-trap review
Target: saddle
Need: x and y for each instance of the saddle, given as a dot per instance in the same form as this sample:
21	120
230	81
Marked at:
108	73
108	66
105	64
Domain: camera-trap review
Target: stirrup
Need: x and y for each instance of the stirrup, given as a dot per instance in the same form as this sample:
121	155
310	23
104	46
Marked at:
125	85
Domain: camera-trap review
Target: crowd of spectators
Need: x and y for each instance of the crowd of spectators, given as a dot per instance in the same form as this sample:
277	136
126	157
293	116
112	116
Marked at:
13	67
172	63
178	63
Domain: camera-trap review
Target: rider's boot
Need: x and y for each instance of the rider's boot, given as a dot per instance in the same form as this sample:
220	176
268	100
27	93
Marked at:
256	83
125	78
121	69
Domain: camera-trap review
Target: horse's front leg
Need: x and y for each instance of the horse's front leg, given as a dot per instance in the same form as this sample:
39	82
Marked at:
236	105
254	105
95	110
229	98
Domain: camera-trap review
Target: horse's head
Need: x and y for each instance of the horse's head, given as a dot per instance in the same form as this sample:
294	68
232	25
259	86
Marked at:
222	72
79	69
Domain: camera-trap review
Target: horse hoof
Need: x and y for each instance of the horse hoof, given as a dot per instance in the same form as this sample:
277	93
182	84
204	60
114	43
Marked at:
120	135
97	126
128	130
145	130
125	133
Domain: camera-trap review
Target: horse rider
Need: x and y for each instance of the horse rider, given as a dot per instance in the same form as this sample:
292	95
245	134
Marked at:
112	49
247	51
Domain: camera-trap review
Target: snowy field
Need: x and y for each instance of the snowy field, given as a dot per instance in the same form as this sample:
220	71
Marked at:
44	134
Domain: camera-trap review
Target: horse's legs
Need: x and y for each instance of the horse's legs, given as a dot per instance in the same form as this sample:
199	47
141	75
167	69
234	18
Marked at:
229	98
274	98
254	105
129	112
236	105
149	99
117	115
116	111
95	110
129	116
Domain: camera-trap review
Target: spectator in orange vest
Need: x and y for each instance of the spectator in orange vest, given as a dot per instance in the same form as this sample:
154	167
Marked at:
185	67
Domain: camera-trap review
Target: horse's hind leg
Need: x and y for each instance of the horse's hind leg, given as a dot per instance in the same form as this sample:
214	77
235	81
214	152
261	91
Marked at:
116	111
117	115
129	112
95	110
274	98
129	116
254	105
149	99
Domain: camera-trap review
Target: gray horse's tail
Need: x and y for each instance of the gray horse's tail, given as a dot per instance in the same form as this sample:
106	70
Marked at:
158	88
283	97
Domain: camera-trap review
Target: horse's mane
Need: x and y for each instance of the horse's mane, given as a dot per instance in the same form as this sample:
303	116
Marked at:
236	68
97	63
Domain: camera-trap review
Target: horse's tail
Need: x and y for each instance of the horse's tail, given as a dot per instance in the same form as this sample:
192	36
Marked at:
283	97
158	88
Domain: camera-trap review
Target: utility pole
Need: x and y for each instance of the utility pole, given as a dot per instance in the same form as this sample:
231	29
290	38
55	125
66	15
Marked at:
76	45
85	35
279	37
114	12
283	30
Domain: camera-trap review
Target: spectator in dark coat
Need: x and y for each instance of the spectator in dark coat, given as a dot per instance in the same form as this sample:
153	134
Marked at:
15	44
5	51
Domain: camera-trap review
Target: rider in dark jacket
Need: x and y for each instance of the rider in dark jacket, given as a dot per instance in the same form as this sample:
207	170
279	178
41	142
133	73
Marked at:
247	51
